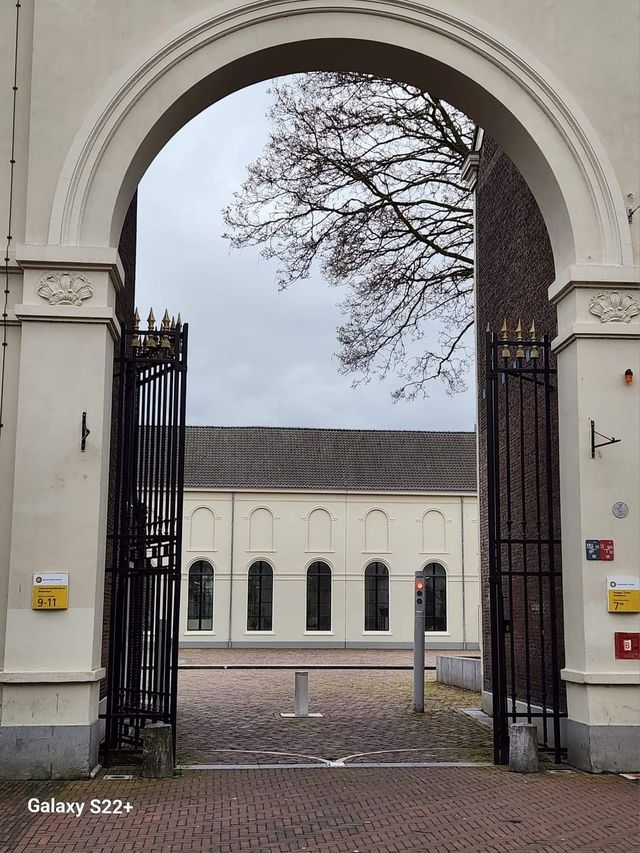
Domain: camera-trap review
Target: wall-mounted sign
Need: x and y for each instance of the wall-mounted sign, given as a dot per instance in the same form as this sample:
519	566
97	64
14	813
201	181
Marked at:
620	509
599	549
627	645
623	595
50	591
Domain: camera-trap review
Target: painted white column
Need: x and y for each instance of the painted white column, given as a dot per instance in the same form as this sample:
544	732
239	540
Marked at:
49	719
598	340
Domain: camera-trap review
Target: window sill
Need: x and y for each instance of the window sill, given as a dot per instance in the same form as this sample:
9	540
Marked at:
189	633
376	633
319	633
262	633
438	633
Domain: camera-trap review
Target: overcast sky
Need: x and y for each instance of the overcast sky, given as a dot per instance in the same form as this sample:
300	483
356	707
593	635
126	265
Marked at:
256	356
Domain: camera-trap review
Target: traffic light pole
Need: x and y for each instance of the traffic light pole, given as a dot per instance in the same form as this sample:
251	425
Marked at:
418	644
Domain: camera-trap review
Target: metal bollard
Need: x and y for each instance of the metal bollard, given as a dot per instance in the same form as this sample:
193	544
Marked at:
301	699
301	702
523	748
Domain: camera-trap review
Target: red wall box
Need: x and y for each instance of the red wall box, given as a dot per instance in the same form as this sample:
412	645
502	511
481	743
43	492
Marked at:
627	644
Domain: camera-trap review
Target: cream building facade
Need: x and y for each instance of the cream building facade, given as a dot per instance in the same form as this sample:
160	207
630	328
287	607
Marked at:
368	526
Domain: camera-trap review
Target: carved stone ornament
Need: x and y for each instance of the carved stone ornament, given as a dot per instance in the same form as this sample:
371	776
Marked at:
614	307
65	288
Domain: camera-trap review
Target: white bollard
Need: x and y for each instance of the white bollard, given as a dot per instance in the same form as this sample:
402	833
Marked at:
301	699
301	702
523	748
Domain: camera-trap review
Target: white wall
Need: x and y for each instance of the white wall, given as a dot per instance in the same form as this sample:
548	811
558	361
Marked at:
388	528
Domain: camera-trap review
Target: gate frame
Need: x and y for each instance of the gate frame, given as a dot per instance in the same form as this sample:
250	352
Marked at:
531	363
148	466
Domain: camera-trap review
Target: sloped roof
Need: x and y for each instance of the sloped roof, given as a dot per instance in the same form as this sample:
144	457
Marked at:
329	459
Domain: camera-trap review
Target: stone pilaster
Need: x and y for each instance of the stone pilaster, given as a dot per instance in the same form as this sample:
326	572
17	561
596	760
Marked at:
49	725
598	340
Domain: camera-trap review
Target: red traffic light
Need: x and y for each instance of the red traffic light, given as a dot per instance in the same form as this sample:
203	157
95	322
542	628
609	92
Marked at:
420	584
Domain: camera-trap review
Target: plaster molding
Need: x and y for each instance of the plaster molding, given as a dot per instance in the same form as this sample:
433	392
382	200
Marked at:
68	258
65	288
69	314
593	276
591	331
611	306
546	94
31	677
583	677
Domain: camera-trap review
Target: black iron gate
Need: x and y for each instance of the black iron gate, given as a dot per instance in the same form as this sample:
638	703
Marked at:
523	538
145	540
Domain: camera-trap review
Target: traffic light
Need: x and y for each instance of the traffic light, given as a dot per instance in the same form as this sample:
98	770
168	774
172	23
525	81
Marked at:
419	592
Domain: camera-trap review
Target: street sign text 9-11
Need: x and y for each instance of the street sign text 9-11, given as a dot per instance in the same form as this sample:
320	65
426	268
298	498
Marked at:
50	591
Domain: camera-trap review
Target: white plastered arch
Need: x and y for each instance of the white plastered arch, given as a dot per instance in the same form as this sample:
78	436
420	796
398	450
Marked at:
507	92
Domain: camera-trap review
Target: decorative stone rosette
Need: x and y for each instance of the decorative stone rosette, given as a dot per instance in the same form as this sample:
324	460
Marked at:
611	306
65	288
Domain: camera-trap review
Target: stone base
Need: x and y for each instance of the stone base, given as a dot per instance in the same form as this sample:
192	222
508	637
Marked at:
603	749
48	752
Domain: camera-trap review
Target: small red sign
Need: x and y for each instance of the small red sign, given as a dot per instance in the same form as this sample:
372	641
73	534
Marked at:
606	549
627	645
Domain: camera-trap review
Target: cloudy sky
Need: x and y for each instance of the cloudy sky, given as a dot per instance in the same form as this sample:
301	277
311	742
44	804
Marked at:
256	356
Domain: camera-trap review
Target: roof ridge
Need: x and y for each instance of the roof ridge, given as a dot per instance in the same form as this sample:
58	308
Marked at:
336	429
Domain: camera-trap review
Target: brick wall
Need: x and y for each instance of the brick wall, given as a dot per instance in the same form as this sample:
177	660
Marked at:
514	270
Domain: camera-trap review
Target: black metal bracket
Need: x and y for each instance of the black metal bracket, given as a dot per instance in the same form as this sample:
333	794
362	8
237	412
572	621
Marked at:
86	432
608	441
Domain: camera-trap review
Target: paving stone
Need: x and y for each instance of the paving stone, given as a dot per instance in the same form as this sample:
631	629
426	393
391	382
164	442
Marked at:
439	809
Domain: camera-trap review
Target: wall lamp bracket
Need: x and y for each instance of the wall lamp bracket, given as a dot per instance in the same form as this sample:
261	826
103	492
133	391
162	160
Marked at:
85	433
595	434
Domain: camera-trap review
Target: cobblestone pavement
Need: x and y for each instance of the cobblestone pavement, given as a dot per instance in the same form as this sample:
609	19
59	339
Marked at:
368	657
233	717
354	810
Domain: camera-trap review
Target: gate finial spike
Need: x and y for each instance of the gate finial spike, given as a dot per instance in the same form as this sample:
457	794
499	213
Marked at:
519	348
504	334
135	338
488	327
173	323
179	320
165	343
535	352
151	320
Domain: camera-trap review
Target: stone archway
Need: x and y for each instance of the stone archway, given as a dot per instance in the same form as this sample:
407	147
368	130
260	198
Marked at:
93	128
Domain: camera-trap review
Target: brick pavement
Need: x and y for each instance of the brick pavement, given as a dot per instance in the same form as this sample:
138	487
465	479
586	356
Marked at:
386	657
354	810
233	716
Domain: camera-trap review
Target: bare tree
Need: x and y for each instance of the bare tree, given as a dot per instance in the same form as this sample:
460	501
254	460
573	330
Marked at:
362	175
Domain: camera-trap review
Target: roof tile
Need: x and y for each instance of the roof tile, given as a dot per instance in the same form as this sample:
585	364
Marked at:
329	459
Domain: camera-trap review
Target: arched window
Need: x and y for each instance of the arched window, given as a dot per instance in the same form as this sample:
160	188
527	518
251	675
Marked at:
435	615
376	597
318	597
200	608
260	597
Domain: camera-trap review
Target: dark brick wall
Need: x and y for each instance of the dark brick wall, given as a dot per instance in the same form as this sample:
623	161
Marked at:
514	270
124	311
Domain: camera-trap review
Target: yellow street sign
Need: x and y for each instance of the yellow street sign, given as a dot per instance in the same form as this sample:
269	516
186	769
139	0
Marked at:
623	595
50	591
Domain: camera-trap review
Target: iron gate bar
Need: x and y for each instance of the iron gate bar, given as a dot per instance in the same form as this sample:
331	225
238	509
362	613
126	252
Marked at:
146	540
520	434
